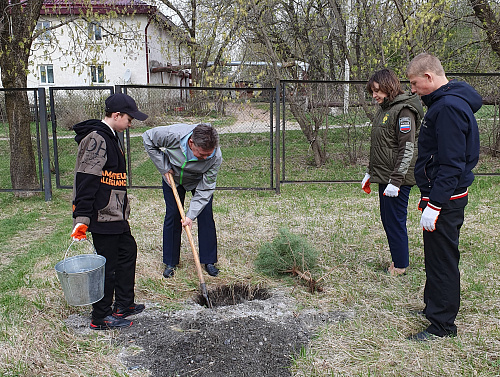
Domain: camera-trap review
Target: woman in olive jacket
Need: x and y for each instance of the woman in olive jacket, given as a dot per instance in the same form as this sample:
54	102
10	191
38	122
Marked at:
393	153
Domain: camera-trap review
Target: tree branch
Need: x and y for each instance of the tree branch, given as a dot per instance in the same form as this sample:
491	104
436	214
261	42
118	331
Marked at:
485	14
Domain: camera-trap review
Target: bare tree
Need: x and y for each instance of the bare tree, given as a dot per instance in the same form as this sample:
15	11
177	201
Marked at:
18	20
212	26
17	23
312	34
489	22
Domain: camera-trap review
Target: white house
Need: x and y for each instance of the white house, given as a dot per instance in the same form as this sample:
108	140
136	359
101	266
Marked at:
105	42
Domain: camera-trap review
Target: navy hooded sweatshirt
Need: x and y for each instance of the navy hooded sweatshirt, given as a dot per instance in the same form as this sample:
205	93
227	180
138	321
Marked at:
448	144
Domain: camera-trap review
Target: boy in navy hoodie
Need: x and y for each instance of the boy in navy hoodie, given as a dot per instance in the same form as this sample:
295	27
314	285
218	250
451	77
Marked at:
101	206
448	150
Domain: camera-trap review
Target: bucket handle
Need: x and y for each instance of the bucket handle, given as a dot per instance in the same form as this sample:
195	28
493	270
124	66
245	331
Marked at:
69	248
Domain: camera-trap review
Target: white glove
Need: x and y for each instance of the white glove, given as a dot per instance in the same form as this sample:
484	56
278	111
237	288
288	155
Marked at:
365	183
391	191
429	217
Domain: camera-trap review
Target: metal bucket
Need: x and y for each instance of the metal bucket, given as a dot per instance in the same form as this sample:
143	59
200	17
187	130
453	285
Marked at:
82	277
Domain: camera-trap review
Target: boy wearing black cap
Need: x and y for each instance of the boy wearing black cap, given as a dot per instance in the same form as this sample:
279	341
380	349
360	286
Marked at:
101	206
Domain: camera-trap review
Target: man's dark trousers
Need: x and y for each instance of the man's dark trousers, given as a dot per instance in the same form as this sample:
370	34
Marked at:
442	287
120	251
172	229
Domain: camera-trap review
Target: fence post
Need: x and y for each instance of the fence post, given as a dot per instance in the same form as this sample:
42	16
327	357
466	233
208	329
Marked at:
42	110
277	162
124	138
271	138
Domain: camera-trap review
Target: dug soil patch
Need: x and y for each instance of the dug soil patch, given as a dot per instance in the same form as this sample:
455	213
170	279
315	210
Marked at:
250	338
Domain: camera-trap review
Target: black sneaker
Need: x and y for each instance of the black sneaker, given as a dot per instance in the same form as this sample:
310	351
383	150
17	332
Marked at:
169	271
422	336
109	322
125	312
417	312
211	269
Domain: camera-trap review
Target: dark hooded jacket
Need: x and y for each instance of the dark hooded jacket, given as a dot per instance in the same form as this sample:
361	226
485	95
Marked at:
448	145
99	190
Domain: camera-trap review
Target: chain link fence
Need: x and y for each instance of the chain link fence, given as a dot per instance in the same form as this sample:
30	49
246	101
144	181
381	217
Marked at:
33	116
69	106
488	119
243	118
325	128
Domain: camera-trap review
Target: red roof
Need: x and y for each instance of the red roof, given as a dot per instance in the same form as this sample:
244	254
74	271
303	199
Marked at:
76	7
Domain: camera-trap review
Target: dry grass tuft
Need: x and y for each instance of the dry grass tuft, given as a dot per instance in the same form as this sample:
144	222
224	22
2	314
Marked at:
40	345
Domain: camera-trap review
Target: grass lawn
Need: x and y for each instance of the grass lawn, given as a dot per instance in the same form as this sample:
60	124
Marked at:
340	220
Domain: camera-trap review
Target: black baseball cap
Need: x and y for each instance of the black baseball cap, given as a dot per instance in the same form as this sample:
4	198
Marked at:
123	103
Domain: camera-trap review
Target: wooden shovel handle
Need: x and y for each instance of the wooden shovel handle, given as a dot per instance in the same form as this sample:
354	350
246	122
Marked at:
186	228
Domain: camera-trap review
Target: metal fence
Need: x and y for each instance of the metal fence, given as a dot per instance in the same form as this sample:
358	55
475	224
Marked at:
318	132
242	117
69	106
39	138
325	131
325	128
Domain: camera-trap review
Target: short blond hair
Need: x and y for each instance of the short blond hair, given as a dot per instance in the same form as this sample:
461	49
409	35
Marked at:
425	62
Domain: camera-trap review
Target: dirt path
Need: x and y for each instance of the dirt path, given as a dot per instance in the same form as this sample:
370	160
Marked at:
250	118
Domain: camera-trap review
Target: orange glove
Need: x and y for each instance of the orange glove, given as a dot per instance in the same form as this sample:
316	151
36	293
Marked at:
79	232
365	184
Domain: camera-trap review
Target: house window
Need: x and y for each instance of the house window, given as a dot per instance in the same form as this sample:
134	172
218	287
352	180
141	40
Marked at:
46	74
95	31
97	74
40	26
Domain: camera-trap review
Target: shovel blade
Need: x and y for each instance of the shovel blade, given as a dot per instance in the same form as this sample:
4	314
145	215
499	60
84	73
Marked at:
204	293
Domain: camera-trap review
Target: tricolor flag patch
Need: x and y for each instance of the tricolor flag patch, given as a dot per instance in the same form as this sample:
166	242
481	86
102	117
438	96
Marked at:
405	124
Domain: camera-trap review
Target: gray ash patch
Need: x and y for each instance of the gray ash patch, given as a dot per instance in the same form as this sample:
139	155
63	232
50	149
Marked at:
249	346
253	338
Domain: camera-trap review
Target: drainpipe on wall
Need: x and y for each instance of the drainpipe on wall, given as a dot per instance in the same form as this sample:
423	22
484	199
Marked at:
147	48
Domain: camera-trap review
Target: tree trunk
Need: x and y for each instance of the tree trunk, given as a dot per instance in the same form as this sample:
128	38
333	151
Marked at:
16	38
310	128
496	134
318	152
490	24
23	173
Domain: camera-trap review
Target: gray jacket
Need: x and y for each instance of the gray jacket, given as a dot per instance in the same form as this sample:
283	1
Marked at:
167	148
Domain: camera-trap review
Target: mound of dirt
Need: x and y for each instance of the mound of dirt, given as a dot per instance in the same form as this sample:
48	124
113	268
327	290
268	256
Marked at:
252	338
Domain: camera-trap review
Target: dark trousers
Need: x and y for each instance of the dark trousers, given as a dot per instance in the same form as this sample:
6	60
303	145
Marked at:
172	229
120	251
442	286
393	212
